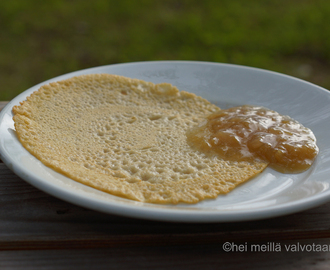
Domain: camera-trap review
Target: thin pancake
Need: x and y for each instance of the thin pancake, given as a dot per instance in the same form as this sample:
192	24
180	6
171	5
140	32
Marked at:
126	137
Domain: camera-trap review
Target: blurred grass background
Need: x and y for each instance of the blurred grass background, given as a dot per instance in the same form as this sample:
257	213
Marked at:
43	39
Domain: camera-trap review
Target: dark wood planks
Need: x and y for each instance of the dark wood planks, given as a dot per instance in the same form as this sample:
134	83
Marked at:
164	257
32	219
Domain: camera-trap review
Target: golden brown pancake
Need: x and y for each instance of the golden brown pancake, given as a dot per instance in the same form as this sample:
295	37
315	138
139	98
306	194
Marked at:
126	137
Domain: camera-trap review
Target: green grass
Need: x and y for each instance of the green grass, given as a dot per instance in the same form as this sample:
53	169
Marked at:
43	39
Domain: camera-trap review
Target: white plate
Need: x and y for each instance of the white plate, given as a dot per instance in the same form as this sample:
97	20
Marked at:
268	195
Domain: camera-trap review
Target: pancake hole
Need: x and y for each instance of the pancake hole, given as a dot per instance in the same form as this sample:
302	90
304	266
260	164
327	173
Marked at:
159	170
133	169
131	120
119	174
146	176
155	117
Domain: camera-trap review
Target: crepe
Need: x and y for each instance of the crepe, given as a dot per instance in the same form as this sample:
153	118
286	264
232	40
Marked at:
126	137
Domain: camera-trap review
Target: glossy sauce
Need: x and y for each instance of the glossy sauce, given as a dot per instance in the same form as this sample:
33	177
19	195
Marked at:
247	133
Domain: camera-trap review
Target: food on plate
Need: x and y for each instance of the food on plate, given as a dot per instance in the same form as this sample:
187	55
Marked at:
253	132
127	137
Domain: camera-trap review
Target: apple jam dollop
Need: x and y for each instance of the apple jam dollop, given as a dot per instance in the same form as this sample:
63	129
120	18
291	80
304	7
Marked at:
248	133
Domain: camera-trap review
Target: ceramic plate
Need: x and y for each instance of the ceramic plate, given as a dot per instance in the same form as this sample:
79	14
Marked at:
268	195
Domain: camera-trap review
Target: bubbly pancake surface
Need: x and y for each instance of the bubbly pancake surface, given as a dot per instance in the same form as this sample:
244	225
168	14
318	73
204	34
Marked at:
126	137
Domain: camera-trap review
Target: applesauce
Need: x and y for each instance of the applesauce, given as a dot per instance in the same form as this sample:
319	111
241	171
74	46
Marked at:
247	133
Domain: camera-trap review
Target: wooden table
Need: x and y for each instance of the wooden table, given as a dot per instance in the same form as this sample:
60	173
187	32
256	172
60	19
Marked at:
38	231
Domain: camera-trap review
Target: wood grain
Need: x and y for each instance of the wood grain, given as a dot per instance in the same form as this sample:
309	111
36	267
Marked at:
32	219
168	257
